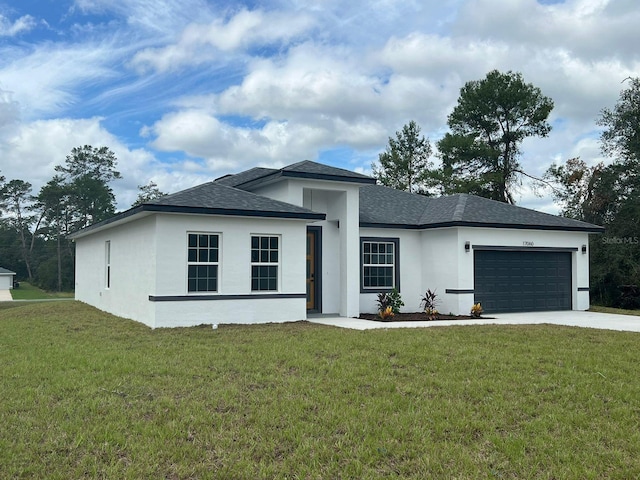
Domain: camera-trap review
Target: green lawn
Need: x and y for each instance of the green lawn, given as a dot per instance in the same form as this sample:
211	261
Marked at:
88	395
618	311
26	291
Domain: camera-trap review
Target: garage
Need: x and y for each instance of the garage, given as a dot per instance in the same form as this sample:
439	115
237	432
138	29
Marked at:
522	281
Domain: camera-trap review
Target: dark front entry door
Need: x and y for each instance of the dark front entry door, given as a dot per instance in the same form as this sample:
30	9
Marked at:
313	269
522	281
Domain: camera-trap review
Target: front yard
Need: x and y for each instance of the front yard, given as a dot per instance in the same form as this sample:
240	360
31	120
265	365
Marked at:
89	395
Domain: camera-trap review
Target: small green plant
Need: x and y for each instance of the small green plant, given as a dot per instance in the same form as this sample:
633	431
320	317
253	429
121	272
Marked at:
389	304
476	310
428	304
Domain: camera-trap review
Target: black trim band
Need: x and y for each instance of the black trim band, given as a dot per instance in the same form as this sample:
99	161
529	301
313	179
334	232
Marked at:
503	248
583	289
428	226
457	291
190	298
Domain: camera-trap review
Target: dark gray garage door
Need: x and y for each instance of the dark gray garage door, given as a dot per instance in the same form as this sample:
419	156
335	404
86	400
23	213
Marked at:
516	281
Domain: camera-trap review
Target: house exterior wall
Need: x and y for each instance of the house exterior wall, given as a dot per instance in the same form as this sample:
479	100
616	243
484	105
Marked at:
133	247
411	267
340	201
234	269
523	239
436	259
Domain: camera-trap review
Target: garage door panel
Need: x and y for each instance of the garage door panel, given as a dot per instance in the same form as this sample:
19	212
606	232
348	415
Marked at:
513	281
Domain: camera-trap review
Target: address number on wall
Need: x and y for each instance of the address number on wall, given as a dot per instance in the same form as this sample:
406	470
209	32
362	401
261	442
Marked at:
527	243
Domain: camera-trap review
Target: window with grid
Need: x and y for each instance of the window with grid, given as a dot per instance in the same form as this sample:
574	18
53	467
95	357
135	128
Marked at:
264	263
203	262
379	265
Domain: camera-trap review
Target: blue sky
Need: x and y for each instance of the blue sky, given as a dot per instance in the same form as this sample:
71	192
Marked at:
184	91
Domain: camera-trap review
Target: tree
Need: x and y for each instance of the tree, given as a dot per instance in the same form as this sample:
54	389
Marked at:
17	199
54	203
492	118
87	172
621	139
609	195
148	192
404	164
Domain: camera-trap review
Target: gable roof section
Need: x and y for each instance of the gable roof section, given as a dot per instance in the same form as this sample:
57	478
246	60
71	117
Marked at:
246	176
306	169
385	207
213	199
4	271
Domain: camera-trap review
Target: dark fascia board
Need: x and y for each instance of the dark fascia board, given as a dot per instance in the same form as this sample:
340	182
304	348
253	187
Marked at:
503	248
272	177
197	211
594	229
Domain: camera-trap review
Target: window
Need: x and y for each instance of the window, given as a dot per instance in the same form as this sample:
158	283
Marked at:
379	264
264	263
107	262
203	254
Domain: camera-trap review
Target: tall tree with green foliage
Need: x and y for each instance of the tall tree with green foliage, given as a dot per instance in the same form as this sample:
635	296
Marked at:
147	193
87	172
488	125
609	195
404	165
18	201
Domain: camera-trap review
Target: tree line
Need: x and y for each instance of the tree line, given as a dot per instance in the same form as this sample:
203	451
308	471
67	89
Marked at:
34	227
481	155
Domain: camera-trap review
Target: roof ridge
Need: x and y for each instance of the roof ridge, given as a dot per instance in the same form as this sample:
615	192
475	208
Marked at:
458	213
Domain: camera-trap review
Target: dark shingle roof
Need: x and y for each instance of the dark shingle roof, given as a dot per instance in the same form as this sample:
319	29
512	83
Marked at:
246	176
309	169
214	199
4	271
383	206
305	169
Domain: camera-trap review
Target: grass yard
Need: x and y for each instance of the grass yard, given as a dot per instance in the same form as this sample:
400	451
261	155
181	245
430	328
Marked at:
89	395
617	311
26	291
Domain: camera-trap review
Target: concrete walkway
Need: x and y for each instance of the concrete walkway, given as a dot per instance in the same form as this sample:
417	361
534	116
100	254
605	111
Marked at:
5	296
606	321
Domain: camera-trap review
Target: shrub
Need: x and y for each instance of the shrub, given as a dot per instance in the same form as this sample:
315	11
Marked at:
391	301
428	304
476	310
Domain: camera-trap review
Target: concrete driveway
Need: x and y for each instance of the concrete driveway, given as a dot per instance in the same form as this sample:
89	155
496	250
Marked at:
5	296
606	321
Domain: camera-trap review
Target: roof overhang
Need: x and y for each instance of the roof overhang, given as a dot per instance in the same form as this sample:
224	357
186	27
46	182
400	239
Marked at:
144	210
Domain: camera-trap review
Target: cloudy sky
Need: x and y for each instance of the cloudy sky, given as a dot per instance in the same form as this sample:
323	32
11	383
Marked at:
184	91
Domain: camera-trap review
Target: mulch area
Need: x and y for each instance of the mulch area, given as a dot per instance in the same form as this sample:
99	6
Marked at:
416	317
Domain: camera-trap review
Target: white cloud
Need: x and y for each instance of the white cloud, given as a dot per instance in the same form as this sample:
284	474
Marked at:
203	43
22	24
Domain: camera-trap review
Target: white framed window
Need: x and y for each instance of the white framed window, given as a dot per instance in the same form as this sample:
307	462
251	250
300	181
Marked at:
107	263
265	262
203	262
379	264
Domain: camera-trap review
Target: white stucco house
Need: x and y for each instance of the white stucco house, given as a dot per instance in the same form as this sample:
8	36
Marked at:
6	279
275	245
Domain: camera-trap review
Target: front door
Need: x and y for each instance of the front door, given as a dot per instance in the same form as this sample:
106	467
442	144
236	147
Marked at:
313	280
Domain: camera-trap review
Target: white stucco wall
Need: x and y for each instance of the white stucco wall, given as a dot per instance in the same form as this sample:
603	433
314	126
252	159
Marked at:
436	259
133	247
340	201
411	268
234	271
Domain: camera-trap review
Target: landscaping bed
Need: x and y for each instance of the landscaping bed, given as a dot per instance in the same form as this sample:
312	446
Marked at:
416	317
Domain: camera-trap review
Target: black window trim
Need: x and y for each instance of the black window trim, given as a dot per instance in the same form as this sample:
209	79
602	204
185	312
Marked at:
218	263
396	261
259	263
